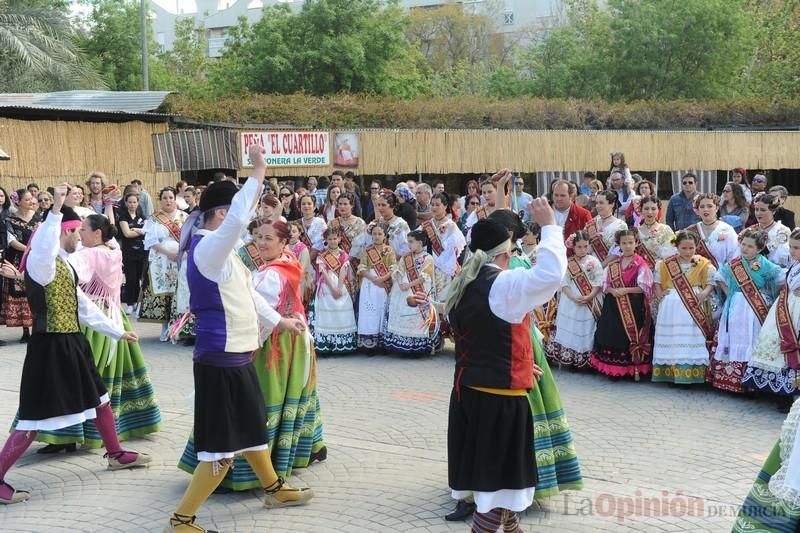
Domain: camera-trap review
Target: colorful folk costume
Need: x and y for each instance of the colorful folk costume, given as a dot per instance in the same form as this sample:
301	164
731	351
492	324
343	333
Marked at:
229	414
557	465
489	311
353	238
775	366
287	370
602	239
16	311
313	231
576	323
158	299
447	243
655	242
397	235
303	254
408	329
373	299
718	246
751	287
773	504
684	328
121	364
60	384
777	242
333	318
622	340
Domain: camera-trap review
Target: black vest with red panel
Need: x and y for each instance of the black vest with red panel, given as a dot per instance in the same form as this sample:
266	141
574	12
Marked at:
490	352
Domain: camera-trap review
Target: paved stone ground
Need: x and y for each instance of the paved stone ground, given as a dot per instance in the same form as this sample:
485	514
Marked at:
385	427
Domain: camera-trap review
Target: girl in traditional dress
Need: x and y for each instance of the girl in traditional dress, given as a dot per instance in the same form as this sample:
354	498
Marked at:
396	228
313	227
655	238
764	209
332	317
375	275
578	306
750	282
773	504
303	254
446	242
718	240
776	359
604	228
162	235
622	339
19	228
286	364
407	328
98	265
684	327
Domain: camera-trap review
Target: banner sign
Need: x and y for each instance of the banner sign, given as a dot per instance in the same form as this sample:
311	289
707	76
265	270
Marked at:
290	148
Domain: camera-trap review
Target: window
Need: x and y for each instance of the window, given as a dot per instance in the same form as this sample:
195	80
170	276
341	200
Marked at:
508	18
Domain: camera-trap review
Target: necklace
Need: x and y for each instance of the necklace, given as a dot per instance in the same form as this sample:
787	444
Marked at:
766	228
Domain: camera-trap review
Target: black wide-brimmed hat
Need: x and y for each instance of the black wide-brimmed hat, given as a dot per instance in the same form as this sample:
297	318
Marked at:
218	194
487	234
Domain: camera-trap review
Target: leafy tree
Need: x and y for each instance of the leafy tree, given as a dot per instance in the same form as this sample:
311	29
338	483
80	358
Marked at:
184	67
774	67
38	50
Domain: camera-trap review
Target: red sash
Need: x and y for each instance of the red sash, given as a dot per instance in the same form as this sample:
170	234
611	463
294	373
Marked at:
702	249
413	275
790	342
336	267
375	258
689	298
646	254
252	257
638	347
596	241
346	244
433	235
304	236
581	280
749	289
172	227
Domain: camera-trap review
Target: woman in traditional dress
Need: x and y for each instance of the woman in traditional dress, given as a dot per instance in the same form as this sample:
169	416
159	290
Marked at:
750	282
622	340
578	306
493	193
332	316
446	241
162	235
776	356
655	238
604	228
313	227
286	364
718	240
19	228
764	208
98	265
375	276
684	327
773	504
5	212
408	328
303	254
351	229
396	227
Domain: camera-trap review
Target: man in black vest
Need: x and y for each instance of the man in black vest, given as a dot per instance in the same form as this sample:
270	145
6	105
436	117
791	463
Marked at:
490	431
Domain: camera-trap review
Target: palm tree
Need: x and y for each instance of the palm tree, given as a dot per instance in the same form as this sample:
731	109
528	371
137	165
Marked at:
38	50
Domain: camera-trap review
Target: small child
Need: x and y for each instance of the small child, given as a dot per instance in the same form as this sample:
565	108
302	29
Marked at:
303	254
375	273
333	318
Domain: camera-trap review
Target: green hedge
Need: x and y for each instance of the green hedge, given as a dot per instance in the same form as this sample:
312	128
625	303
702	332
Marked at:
464	112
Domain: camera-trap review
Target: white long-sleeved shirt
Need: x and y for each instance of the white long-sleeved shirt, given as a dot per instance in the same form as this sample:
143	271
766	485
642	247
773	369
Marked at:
41	267
515	293
214	254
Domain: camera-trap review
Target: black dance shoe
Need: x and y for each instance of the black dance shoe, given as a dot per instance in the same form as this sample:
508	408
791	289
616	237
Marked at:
320	456
57	448
464	510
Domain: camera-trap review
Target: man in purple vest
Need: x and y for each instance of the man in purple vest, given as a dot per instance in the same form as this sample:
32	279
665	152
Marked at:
490	429
229	414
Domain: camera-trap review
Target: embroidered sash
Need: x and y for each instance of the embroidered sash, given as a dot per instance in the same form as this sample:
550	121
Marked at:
481	212
335	266
252	257
375	258
581	280
347	245
172	227
596	241
646	254
639	348
304	238
702	249
790	342
689	298
433	235
413	275
545	317
749	289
